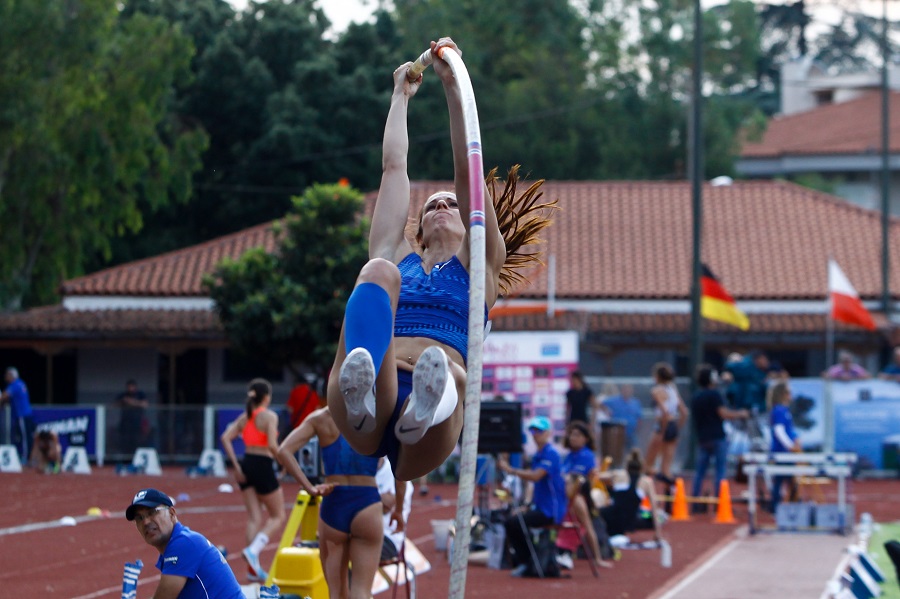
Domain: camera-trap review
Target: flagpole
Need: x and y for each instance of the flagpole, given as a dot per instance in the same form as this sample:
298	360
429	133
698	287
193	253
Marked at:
551	285
827	407
829	319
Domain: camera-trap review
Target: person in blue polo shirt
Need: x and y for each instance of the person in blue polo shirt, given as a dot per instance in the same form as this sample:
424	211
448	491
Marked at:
191	566
549	500
16	393
580	443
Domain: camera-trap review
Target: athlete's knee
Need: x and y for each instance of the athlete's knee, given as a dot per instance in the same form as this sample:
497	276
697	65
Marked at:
381	272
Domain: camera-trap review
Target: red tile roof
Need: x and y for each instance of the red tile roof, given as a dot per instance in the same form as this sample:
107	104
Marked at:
49	321
765	240
173	274
852	127
616	241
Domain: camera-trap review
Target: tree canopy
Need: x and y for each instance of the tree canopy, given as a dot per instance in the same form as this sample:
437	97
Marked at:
132	128
87	138
289	305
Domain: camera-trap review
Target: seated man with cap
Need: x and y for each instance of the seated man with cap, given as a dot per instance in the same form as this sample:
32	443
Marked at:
191	566
549	498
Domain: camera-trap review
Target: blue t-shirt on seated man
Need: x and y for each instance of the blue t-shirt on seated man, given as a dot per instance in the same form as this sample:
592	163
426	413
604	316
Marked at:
549	500
191	567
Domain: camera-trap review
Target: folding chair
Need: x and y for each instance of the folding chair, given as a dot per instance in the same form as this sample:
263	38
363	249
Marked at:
409	573
583	542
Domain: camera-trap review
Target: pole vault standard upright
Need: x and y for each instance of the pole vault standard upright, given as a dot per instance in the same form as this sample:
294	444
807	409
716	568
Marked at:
472	414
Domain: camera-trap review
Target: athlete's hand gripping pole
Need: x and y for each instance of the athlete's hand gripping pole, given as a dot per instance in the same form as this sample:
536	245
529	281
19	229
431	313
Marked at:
421	63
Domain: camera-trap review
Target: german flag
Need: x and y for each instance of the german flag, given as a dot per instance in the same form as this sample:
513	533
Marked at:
717	304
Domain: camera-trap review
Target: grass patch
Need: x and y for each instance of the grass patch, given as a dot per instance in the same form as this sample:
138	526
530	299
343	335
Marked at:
885	532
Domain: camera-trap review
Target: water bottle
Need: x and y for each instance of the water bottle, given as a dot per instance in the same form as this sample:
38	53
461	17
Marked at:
665	554
865	524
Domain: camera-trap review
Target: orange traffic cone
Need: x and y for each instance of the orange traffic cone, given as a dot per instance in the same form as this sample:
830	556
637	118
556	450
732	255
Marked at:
724	515
679	507
645	504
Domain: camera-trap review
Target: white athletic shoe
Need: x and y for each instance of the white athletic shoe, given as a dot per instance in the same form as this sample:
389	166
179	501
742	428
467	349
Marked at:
357	386
429	380
261	577
564	560
253	566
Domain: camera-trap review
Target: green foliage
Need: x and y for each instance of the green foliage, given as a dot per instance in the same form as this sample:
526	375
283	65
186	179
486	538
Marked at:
817	182
87	143
888	531
288	306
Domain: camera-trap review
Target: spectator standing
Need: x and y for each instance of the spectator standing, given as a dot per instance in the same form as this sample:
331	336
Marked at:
747	389
133	423
396	505
190	566
624	408
302	402
846	369
578	398
255	472
16	393
708	411
549	500
891	372
784	438
671	415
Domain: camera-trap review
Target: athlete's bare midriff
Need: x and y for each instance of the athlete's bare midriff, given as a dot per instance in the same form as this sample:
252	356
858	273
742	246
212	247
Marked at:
408	349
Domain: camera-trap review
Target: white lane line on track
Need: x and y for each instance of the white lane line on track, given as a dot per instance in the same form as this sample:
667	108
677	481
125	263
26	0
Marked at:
35	526
684	582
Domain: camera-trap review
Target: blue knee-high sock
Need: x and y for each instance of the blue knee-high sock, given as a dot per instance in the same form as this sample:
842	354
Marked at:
369	321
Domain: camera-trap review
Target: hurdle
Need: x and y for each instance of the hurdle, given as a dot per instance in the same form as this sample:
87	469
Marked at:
840	472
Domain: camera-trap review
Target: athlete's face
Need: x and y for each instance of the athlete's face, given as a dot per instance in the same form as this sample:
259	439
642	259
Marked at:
155	524
440	215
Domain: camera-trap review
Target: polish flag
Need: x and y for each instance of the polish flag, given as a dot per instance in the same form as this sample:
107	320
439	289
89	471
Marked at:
845	304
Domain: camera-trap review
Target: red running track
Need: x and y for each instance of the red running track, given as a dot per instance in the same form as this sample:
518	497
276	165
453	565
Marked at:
41	558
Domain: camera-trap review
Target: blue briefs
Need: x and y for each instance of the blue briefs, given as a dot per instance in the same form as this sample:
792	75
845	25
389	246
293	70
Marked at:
390	446
340	507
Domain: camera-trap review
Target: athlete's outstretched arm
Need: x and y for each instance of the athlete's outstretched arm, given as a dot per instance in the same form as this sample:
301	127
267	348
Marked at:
386	236
495	249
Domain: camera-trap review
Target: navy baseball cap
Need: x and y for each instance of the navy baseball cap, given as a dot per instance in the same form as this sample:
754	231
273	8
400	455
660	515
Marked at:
541	423
147	498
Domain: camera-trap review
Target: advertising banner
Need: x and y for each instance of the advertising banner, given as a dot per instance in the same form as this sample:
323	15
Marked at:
224	417
74	426
531	368
865	418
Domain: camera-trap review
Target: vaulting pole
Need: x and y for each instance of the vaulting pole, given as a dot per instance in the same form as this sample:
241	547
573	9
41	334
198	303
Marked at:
472	415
